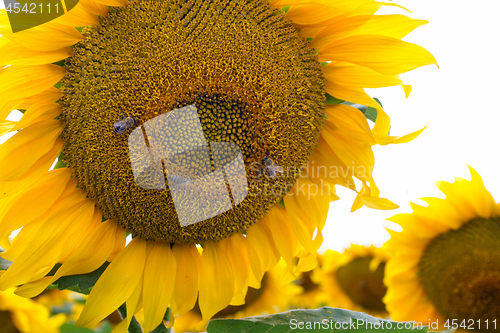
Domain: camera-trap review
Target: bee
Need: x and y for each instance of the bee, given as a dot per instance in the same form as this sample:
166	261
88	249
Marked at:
123	125
179	180
271	166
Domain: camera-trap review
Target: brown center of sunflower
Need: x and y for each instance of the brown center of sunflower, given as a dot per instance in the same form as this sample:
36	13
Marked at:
6	323
363	286
235	71
460	273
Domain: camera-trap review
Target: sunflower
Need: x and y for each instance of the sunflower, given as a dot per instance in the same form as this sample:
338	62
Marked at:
21	315
252	79
53	297
351	280
444	264
273	296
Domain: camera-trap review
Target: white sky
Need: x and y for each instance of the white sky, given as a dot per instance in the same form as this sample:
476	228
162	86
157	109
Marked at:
456	103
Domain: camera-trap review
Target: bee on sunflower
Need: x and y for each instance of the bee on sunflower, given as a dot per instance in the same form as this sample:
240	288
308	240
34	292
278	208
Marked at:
443	269
256	75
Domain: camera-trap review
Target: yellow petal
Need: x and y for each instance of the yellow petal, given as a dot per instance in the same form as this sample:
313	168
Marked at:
351	94
354	154
7	106
38	112
7	126
23	81
385	55
377	203
43	243
351	122
133	306
89	256
283	235
116	284
186	289
159	282
217	291
29	205
14	54
301	224
83	14
25	148
356	77
307	263
407	89
395	26
238	257
45	37
33	175
341	5
382	124
113	3
385	139
262	253
50	95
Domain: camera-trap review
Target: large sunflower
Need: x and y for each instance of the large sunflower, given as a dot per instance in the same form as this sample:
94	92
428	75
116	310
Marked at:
444	264
248	75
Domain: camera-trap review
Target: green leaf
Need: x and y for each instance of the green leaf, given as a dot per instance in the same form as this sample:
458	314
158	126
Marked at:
332	100
80	283
369	112
4	264
71	328
320	320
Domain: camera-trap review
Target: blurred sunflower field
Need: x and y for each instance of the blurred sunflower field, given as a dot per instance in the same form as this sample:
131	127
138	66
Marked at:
177	166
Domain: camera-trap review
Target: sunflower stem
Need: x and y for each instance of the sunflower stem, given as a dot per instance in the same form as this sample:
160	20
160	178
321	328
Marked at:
134	327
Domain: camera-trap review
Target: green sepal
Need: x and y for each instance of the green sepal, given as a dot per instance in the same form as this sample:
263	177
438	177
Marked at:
4	264
332	100
81	283
59	63
289	322
285	9
60	162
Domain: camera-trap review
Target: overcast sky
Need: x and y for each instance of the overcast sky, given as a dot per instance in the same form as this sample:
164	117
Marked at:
457	103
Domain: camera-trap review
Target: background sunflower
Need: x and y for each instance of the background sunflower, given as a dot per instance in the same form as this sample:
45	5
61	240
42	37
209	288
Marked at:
18	314
443	267
112	60
350	280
